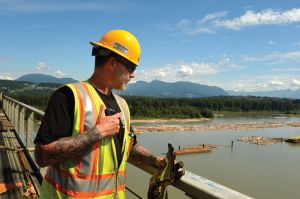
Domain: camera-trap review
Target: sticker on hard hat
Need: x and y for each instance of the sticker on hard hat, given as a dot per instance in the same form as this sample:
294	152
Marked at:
121	48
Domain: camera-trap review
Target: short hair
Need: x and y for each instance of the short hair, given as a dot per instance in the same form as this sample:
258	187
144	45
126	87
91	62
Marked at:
102	55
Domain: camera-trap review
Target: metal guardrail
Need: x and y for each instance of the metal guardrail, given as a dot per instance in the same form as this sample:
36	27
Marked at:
24	119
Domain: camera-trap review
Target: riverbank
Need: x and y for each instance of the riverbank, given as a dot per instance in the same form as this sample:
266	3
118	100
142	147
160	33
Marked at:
148	125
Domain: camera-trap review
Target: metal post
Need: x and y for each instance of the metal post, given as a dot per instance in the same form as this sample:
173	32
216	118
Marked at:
12	117
22	129
4	105
1	100
30	128
10	109
17	118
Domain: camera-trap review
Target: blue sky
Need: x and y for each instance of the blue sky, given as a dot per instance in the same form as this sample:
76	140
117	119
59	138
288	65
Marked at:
237	45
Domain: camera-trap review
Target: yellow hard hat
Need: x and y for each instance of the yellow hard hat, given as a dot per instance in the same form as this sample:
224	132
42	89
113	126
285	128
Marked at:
121	42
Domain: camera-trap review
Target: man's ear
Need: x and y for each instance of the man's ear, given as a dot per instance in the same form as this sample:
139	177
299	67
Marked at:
113	61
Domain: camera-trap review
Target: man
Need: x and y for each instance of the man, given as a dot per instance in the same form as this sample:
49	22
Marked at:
85	137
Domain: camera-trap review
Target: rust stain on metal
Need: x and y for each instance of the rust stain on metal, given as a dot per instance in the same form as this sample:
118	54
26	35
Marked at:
4	187
30	190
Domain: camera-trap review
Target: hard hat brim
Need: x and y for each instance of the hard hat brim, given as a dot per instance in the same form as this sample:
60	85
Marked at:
94	44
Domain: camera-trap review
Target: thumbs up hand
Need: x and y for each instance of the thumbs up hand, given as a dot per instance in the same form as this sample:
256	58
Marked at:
107	125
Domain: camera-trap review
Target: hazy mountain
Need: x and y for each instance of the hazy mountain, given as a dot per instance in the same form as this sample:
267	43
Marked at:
177	89
288	93
39	78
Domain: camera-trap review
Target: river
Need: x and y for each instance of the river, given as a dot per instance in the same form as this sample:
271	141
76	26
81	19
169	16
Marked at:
260	171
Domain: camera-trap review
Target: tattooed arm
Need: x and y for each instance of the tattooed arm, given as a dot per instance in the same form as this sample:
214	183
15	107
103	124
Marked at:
142	155
65	148
74	146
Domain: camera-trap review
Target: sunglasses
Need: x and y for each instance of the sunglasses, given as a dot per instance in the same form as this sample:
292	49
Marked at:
130	67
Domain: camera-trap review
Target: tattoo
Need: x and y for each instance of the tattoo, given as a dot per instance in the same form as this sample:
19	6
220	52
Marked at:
65	148
142	155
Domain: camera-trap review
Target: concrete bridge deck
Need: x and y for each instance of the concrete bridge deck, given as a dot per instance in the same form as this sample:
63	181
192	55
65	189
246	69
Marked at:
16	175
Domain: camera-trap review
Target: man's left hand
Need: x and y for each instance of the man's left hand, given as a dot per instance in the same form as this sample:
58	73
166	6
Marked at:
160	162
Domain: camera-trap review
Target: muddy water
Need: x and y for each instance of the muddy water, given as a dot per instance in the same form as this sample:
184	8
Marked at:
261	171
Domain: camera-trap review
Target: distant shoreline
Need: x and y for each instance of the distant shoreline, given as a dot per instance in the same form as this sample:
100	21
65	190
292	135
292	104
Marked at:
148	121
203	127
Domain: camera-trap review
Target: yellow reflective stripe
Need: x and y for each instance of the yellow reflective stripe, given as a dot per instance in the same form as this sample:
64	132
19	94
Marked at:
76	124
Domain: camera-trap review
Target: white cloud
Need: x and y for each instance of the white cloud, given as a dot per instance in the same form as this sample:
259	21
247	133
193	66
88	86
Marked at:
286	69
42	66
178	71
211	22
185	71
184	23
226	62
275	83
260	86
265	17
211	17
5	77
295	82
60	74
238	87
205	68
278	56
204	25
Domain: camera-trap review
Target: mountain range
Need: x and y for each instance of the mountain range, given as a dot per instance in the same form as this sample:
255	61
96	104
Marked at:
179	89
288	93
158	88
41	78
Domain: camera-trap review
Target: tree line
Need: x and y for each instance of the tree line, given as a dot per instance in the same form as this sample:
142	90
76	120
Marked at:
152	107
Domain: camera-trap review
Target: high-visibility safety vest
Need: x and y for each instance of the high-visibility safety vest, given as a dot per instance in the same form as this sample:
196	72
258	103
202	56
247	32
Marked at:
96	173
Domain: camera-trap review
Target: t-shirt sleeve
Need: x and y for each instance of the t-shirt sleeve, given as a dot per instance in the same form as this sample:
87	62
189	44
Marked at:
59	116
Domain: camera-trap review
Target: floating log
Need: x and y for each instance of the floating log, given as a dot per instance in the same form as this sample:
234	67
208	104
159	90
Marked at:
260	140
195	149
295	139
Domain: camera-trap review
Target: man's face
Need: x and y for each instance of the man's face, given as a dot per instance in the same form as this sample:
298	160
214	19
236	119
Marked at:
124	73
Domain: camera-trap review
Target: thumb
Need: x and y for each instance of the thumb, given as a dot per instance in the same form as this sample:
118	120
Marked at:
101	114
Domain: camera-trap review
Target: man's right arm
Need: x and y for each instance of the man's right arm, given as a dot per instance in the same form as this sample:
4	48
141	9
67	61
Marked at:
74	146
65	148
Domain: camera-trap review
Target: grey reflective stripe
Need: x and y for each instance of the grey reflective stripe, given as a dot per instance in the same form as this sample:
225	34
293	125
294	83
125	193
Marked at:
80	185
121	180
124	109
89	123
89	120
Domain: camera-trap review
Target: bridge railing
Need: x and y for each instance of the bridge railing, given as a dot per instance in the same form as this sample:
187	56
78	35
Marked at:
26	120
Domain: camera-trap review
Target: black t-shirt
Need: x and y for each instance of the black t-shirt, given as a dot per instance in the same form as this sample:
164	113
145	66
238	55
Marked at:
59	117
